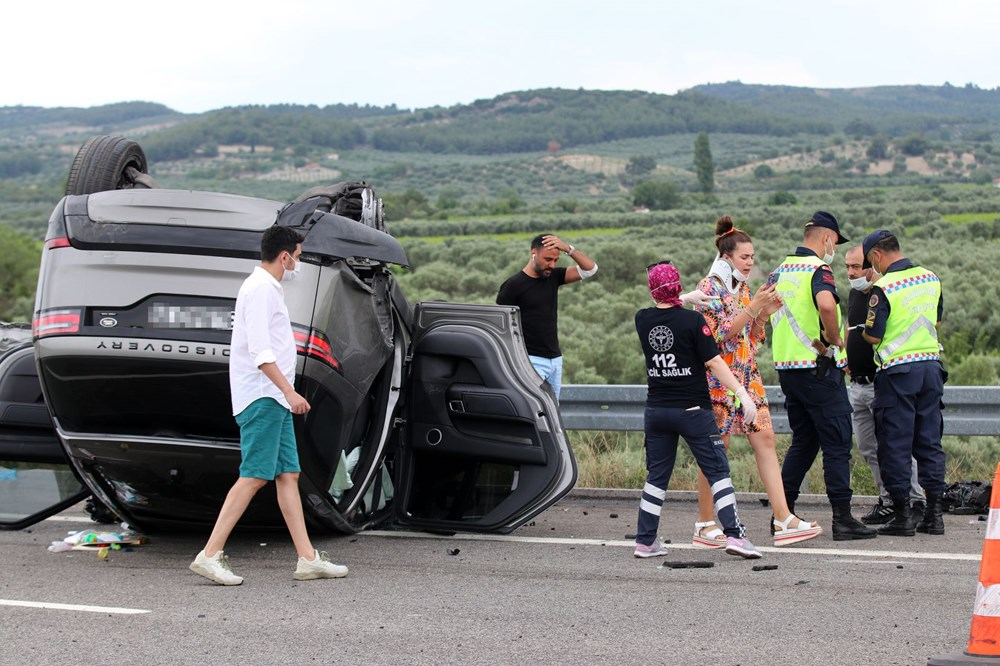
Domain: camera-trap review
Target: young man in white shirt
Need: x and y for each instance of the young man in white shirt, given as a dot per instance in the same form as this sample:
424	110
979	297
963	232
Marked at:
261	379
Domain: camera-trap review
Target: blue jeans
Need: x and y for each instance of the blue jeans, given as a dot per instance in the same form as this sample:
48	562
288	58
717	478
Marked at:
549	369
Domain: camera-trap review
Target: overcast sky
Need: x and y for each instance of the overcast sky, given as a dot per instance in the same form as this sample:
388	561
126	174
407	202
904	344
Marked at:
197	56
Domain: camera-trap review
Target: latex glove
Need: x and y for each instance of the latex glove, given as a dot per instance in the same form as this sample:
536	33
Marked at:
746	405
697	298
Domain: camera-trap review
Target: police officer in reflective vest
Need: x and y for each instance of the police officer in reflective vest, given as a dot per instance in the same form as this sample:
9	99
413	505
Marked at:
904	309
809	356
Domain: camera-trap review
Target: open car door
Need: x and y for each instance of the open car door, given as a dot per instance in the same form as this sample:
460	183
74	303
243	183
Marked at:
483	448
36	480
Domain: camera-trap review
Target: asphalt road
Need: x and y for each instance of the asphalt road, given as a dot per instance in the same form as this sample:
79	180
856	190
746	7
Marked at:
563	590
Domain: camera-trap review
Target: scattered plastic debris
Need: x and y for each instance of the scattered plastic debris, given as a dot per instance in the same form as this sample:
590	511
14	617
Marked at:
454	551
102	542
764	567
691	564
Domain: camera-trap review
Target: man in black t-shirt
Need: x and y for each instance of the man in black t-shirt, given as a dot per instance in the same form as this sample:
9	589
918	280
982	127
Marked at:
862	368
535	290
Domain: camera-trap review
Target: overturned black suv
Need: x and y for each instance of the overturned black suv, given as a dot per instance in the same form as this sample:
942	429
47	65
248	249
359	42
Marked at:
430	416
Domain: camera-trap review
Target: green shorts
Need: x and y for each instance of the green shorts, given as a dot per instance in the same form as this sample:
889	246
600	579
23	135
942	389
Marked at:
267	440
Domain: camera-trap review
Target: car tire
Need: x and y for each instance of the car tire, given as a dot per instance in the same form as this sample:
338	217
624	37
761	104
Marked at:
108	163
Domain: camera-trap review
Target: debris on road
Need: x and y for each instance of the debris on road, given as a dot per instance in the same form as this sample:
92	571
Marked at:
102	542
692	564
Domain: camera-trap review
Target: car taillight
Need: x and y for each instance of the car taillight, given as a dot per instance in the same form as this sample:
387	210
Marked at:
56	321
312	343
54	243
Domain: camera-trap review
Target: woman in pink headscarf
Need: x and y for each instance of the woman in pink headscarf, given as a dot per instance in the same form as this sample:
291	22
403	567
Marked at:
678	347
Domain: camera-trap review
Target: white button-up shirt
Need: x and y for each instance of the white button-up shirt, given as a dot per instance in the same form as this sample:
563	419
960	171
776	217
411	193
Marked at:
262	333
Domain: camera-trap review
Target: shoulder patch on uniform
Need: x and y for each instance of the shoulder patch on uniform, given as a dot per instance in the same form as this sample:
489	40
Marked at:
873	301
827	276
706	330
870	319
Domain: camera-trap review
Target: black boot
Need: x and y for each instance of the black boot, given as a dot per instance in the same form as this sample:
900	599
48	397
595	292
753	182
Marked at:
932	521
902	521
846	527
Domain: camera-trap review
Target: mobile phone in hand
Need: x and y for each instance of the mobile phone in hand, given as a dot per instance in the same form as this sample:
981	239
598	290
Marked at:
772	278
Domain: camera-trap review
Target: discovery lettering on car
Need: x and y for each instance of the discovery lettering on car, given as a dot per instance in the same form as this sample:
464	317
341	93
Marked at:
160	348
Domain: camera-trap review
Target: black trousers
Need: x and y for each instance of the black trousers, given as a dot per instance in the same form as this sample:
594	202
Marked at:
909	425
819	414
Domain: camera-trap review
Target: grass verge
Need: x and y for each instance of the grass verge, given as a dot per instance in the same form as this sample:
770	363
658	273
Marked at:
617	460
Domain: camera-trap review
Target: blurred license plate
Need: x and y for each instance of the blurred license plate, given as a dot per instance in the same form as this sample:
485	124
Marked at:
190	316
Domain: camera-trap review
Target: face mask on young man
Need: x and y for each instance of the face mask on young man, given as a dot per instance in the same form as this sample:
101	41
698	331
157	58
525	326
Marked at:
292	274
831	253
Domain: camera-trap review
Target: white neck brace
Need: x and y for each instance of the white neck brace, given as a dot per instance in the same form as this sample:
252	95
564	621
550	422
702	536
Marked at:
725	272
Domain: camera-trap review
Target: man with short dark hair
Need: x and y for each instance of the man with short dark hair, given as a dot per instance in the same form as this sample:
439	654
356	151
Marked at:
808	354
904	311
535	290
261	380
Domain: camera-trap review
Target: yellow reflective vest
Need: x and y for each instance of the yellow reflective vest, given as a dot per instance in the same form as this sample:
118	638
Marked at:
797	323
911	329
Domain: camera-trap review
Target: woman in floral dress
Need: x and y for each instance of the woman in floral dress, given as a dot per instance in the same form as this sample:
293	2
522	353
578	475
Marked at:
737	322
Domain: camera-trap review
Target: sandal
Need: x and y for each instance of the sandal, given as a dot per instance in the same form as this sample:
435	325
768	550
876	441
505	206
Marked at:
785	534
714	538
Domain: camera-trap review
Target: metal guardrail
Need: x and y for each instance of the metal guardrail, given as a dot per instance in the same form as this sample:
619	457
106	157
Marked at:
969	410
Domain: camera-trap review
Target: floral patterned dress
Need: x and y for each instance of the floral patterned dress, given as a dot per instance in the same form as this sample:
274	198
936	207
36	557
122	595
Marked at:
739	353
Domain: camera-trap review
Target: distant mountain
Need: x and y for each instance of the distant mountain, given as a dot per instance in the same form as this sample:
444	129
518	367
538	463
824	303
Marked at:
887	109
550	119
13	117
535	120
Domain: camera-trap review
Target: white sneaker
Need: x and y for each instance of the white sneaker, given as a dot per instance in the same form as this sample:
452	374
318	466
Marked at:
318	567
215	568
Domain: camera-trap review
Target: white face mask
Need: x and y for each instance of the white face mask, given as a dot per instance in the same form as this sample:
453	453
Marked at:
292	274
861	283
828	257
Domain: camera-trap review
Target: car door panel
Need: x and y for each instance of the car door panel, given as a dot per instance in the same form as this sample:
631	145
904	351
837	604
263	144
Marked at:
483	447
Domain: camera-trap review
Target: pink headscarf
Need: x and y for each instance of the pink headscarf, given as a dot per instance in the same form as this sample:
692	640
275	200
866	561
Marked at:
665	284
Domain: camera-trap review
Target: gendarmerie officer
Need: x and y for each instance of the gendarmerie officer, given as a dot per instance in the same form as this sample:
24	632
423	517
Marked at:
904	309
819	412
861	364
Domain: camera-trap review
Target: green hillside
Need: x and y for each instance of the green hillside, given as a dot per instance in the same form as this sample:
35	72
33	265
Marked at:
893	110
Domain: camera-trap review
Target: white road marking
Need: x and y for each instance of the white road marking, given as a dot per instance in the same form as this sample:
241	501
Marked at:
68	519
73	607
842	552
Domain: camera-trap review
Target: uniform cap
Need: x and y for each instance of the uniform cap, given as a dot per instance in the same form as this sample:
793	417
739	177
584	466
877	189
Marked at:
870	241
826	220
